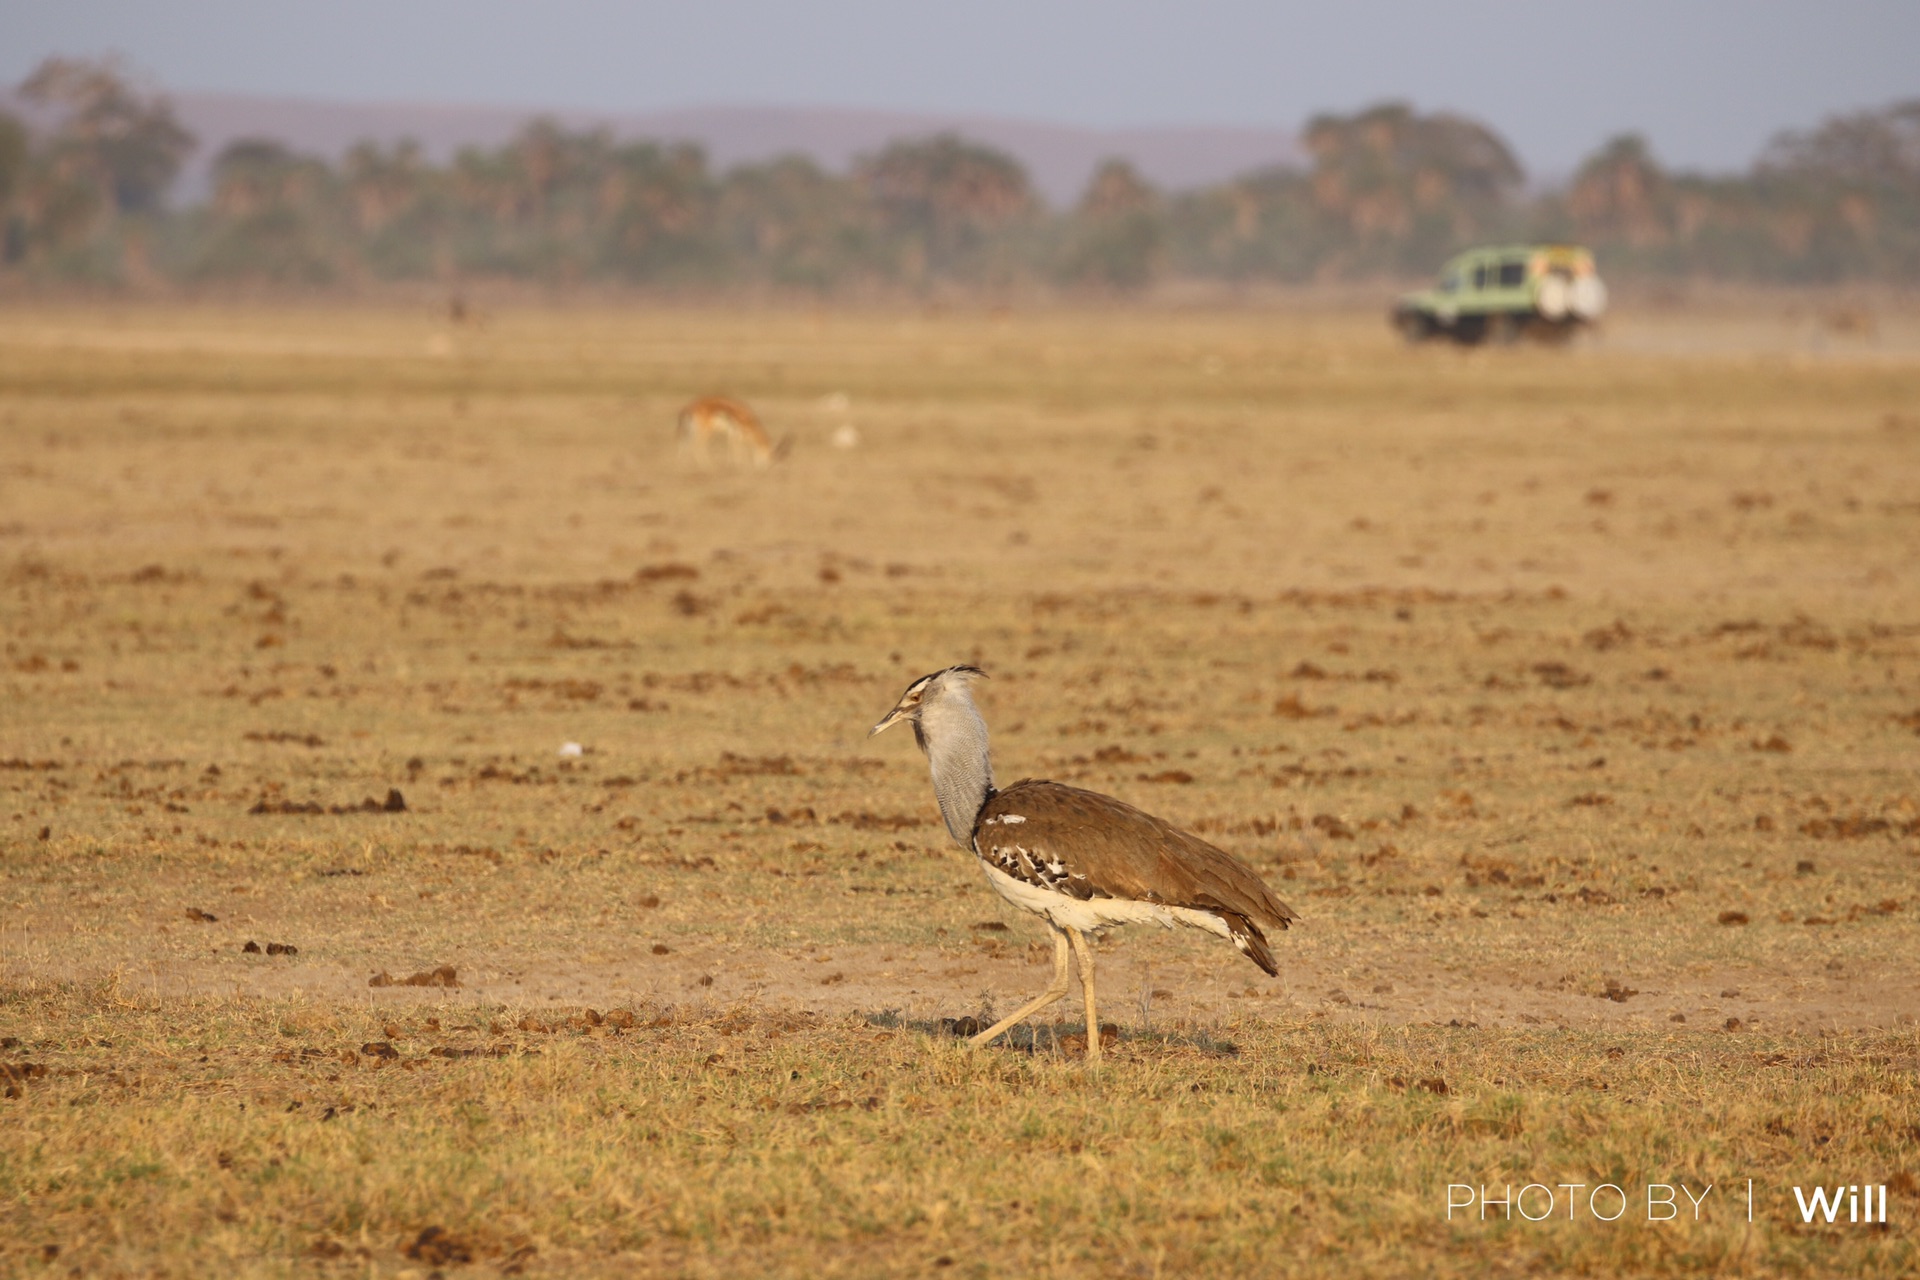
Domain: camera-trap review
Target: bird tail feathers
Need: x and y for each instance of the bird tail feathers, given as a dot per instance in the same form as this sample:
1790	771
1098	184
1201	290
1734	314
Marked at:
1246	935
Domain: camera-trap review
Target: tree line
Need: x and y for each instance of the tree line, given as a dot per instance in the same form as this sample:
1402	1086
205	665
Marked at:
1388	192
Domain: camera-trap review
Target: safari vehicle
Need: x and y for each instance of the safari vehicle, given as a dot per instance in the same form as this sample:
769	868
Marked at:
1505	292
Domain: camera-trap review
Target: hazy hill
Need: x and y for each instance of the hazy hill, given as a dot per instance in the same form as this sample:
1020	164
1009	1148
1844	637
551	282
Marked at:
1059	158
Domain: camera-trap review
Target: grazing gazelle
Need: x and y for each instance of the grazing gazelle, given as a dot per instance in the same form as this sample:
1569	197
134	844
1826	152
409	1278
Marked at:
1081	861
712	420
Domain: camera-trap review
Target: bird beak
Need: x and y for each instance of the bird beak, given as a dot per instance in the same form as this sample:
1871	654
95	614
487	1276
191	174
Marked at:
889	719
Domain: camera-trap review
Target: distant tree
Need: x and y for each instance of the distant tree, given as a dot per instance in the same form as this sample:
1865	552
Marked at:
788	223
1409	188
1878	148
944	200
1390	191
1842	201
654	213
125	140
1850	192
1621	194
396	210
1262	225
384	183
544	158
509	207
1115	235
1117	190
273	216
14	156
252	174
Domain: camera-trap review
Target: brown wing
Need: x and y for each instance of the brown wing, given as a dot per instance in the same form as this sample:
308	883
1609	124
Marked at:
1089	845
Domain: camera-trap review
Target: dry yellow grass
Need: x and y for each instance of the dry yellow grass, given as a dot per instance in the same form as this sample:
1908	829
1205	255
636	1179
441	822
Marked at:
1572	697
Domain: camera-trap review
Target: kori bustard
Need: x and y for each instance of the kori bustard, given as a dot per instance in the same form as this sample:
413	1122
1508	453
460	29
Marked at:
1081	861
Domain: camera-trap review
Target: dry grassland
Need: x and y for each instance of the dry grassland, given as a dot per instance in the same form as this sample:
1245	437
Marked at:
1571	696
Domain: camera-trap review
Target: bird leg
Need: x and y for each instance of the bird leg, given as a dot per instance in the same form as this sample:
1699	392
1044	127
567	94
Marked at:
1055	989
1081	949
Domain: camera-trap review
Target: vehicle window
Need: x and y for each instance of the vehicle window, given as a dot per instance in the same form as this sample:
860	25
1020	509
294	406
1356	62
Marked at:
1512	274
1450	283
1480	276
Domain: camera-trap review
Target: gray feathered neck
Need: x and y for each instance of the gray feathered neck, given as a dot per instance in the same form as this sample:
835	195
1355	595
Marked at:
949	729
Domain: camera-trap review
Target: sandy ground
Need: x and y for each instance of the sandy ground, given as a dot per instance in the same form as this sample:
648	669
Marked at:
1647	603
1184	982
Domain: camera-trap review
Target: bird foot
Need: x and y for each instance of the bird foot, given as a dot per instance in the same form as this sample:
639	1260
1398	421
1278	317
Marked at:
1075	1045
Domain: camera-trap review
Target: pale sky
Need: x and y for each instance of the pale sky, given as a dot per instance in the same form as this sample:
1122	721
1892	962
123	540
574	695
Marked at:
1709	81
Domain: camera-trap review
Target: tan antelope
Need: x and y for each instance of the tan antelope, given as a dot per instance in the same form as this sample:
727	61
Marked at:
712	420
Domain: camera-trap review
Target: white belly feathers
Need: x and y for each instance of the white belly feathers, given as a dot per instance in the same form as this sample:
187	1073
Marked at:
1090	914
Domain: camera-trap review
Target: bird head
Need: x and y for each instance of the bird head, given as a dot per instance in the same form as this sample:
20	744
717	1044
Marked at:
930	695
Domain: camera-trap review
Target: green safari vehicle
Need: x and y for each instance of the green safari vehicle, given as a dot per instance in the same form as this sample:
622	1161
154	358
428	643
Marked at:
1505	292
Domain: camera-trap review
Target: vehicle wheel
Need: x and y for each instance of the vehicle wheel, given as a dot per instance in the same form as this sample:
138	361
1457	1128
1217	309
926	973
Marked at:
1412	325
